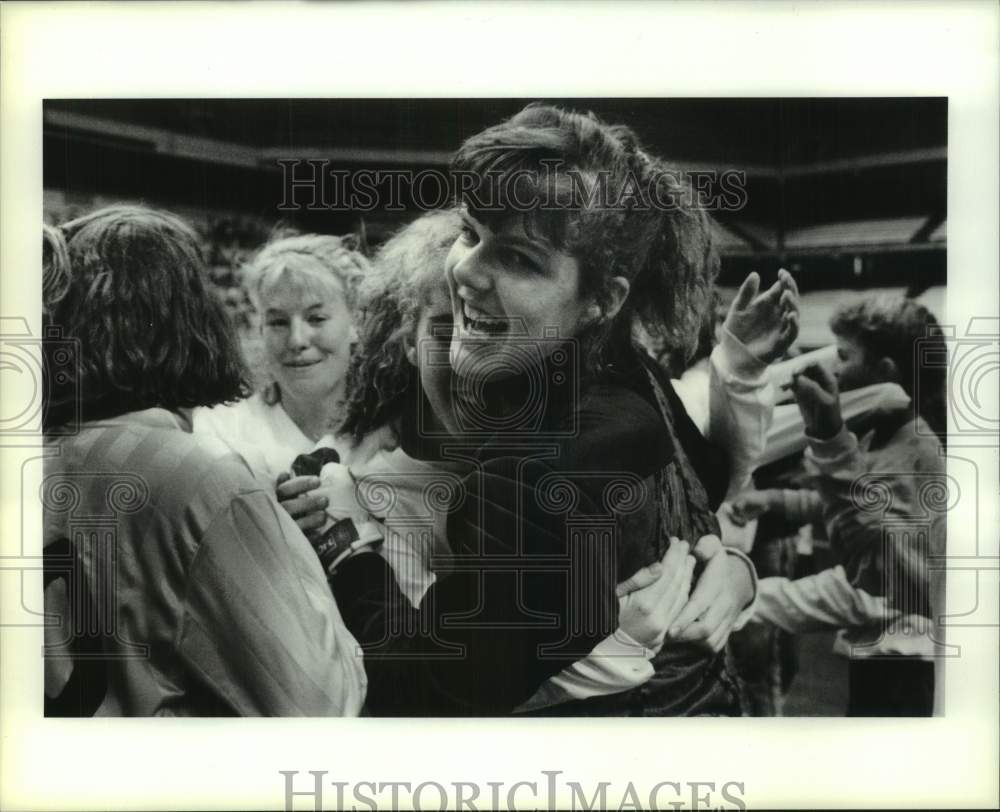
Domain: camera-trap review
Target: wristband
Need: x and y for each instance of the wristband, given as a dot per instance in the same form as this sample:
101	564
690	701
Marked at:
340	540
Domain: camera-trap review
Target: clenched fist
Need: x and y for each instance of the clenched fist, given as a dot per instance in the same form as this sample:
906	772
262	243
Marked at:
818	396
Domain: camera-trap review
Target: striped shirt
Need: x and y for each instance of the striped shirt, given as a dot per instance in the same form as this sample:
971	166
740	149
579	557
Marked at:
205	596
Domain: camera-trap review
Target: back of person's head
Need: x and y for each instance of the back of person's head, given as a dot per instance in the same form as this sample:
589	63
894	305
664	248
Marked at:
127	285
55	269
597	195
406	270
888	328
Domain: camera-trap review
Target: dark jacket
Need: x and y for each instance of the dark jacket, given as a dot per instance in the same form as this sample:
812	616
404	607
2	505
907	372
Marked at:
575	485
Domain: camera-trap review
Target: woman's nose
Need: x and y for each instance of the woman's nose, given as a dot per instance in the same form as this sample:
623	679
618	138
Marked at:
472	271
298	334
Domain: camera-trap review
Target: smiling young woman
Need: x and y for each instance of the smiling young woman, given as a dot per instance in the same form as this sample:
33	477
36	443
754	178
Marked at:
585	466
304	289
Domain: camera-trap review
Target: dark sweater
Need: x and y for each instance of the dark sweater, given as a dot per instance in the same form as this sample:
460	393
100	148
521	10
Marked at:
562	503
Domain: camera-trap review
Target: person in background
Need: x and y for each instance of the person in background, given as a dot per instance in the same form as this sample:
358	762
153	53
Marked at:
880	592
304	289
215	604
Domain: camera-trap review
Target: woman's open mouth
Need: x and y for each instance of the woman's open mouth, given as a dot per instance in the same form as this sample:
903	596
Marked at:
477	321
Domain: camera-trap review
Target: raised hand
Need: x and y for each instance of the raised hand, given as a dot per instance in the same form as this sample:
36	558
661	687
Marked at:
767	323
818	396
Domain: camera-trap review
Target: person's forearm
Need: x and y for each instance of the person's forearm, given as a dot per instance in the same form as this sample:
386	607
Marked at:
822	601
741	405
860	521
367	595
799	506
618	663
798	607
855	534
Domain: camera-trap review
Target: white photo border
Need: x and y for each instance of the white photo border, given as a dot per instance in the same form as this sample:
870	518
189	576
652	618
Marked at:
278	50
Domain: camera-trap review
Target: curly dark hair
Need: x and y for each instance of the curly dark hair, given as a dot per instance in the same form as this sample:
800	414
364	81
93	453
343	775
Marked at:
392	294
889	327
126	283
602	199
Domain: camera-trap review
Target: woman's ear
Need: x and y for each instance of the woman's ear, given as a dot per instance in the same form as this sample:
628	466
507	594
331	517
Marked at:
410	350
617	293
887	371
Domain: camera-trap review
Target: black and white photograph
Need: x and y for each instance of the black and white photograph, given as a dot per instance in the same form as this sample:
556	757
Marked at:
614	397
505	411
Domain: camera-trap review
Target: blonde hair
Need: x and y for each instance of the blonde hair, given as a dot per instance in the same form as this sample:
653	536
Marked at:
405	271
319	255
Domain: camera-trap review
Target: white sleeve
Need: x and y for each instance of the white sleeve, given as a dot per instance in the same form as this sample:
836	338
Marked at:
618	663
825	600
741	405
693	390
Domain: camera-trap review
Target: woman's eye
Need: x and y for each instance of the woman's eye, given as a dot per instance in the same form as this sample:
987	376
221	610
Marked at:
277	322
317	319
518	260
469	235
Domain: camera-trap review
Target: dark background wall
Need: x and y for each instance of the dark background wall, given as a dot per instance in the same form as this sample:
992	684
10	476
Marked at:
849	194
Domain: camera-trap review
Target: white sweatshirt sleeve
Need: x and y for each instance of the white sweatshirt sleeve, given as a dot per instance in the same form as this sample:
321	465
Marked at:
732	404
825	600
741	406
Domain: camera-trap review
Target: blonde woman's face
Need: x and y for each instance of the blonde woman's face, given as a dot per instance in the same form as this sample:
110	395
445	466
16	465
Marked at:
308	332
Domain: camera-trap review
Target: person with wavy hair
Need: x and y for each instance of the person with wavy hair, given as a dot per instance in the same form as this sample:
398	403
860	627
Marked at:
154	314
203	597
877	343
585	466
304	289
404	299
881	595
398	408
